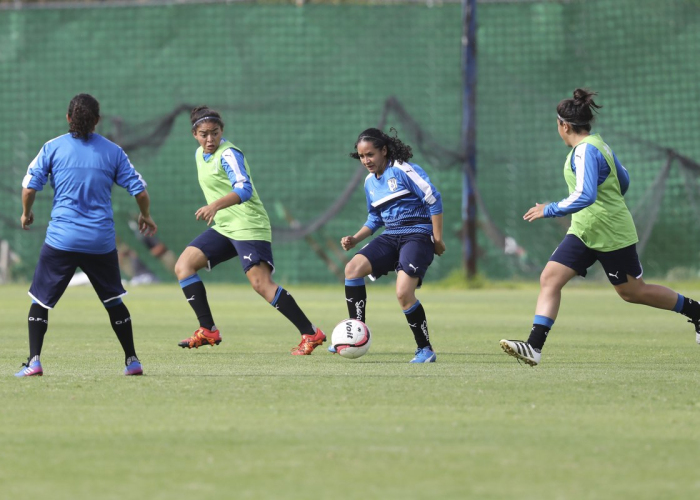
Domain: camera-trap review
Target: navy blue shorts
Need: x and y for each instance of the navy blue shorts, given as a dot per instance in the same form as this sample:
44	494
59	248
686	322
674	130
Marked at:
573	253
411	253
218	248
56	268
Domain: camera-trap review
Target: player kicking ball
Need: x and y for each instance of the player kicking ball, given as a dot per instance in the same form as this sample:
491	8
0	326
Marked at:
601	230
401	198
242	229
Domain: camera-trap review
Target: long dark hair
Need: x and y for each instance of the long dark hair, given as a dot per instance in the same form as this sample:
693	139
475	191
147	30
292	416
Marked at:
84	113
202	114
396	150
578	112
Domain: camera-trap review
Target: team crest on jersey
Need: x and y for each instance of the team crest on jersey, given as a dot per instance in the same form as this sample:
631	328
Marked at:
392	184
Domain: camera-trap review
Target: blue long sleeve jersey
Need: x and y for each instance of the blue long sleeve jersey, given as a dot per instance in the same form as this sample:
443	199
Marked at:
233	163
591	170
82	174
402	199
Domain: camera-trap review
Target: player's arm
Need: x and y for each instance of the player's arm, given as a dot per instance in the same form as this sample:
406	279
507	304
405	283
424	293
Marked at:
147	226
437	234
28	196
374	222
129	178
623	176
587	169
233	163
37	176
348	242
418	182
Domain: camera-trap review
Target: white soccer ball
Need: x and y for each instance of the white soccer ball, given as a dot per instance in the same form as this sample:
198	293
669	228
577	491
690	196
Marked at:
351	338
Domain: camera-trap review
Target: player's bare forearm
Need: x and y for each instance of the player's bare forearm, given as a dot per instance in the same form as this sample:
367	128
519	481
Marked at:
208	212
348	242
146	224
437	234
28	197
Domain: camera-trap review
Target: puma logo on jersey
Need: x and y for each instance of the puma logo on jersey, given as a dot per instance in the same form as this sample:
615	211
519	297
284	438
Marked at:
614	275
248	256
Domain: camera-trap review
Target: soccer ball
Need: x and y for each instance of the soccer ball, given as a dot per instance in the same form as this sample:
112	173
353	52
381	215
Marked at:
351	338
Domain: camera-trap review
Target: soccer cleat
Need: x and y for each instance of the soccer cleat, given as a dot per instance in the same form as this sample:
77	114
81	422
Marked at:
201	337
332	349
31	369
133	368
424	355
522	351
309	343
696	323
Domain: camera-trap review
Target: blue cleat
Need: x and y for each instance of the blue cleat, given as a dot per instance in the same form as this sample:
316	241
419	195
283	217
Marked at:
134	367
31	369
332	348
424	355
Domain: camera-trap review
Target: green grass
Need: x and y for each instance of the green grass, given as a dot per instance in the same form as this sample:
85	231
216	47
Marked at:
612	413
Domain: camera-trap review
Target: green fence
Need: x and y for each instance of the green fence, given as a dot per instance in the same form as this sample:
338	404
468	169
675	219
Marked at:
297	84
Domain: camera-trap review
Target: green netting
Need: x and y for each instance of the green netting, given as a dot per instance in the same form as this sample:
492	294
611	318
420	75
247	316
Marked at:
642	58
296	85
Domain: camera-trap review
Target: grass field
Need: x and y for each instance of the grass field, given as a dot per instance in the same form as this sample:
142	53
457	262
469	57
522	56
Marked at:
612	413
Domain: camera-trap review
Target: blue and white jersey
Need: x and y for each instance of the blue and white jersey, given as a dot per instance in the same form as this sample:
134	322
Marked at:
82	174
402	200
233	163
591	170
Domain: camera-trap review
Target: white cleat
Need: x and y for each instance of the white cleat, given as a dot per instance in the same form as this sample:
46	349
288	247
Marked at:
696	324
522	351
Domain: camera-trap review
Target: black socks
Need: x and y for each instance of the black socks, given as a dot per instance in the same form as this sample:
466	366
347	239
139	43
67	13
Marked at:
38	320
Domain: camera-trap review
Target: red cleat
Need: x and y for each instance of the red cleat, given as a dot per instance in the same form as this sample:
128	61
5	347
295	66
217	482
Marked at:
309	343
201	337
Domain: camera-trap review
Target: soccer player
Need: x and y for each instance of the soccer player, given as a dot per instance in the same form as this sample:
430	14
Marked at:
601	229
242	229
81	167
401	198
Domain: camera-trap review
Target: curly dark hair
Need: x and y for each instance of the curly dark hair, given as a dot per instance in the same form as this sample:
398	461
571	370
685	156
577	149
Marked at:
205	114
84	113
578	112
396	150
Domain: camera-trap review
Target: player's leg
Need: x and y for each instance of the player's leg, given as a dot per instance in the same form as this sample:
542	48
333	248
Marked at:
376	259
570	258
51	277
355	289
415	256
104	275
205	251
258	265
625	273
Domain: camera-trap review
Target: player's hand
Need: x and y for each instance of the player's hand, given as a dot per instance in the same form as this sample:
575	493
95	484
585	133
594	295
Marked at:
536	212
440	247
347	242
147	226
27	220
206	213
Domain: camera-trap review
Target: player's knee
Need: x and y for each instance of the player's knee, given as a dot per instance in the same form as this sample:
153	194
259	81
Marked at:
631	296
183	269
406	298
353	271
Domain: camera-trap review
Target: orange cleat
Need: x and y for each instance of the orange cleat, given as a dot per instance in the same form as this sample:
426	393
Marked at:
201	337
309	343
